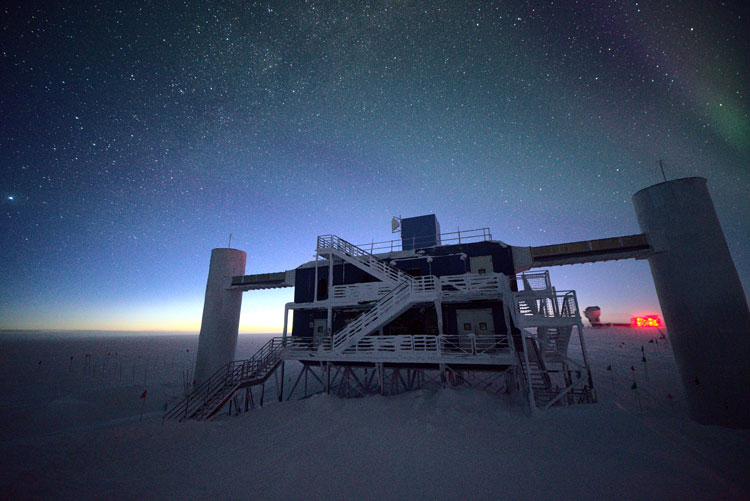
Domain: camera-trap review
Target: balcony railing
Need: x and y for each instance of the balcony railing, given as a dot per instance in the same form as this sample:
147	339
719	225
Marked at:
534	280
450	238
402	346
547	304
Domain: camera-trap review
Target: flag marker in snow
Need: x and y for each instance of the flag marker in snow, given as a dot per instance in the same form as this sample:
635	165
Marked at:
143	404
634	387
612	376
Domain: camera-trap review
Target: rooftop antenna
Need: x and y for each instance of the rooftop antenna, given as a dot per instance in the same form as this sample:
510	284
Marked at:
230	241
661	166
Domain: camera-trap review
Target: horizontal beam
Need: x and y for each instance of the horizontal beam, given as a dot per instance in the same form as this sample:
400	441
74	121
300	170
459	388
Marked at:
584	251
259	281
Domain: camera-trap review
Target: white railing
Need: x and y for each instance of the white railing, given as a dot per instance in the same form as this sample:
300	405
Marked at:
553	342
473	286
466	286
424	288
367	261
388	307
470	344
208	397
419	289
450	238
395	344
359	293
552	304
534	280
404	346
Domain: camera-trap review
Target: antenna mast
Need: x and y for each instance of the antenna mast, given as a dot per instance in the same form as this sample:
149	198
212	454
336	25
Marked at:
661	166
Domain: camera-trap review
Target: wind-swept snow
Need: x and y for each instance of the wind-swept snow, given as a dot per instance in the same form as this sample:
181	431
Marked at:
447	444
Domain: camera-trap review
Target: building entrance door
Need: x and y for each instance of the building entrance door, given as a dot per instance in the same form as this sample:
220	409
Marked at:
319	330
476	322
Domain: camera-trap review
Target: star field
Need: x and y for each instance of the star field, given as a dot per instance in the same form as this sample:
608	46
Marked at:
137	136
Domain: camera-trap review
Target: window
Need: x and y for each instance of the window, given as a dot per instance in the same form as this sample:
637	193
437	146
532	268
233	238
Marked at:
482	326
322	288
467	326
482	271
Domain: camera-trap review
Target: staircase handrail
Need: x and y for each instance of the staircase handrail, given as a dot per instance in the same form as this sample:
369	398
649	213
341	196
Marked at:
338	244
234	372
361	321
551	304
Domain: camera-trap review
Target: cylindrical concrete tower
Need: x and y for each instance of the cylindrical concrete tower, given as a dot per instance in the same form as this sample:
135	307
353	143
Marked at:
701	296
221	313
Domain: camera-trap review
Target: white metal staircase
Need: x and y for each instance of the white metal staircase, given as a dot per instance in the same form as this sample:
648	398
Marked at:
209	397
551	375
386	309
360	258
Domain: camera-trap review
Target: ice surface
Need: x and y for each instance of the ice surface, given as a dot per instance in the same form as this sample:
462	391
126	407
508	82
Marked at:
72	430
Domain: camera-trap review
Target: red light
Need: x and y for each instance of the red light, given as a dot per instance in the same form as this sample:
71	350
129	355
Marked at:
646	321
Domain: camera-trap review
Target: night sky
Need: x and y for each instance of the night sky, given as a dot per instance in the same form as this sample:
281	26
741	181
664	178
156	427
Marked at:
136	136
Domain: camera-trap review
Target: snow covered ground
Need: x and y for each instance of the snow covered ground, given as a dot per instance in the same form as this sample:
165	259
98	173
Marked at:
72	429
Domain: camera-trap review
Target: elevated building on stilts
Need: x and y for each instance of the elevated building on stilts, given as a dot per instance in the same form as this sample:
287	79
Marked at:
461	308
427	310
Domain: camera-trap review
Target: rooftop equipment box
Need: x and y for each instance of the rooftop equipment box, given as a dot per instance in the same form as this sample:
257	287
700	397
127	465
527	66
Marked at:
420	232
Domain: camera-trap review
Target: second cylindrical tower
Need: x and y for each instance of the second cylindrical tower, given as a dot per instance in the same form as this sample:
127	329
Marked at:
701	297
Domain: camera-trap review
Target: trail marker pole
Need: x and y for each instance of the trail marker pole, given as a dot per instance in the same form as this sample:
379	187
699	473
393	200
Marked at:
612	375
143	404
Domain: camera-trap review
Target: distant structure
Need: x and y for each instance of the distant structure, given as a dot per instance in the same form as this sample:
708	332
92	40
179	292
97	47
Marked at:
593	314
462	308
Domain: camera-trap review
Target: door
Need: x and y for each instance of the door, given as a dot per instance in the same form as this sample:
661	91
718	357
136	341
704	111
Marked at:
477	322
481	264
319	330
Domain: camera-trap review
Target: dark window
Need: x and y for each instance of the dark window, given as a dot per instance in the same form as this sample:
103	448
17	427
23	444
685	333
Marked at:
320	328
482	326
482	271
467	326
323	288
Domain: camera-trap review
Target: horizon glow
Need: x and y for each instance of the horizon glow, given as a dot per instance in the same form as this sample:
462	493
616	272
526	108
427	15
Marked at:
138	138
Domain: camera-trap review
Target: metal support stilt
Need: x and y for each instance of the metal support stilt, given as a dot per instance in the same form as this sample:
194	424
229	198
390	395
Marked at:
527	375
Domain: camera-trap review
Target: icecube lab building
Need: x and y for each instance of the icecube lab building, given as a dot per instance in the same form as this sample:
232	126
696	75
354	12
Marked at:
459	308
